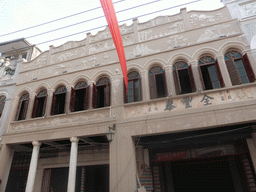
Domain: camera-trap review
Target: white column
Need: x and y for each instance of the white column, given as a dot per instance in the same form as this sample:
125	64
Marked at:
72	164
6	156
224	71
145	85
30	106
67	103
49	102
33	167
196	74
170	81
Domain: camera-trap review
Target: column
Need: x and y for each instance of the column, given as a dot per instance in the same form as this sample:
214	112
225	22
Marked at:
170	81
67	103
122	162
6	156
196	74
224	71
49	102
33	166
72	164
252	149
30	106
145	85
90	83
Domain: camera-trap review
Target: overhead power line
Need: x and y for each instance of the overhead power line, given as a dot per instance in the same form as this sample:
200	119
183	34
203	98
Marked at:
118	22
56	20
91	19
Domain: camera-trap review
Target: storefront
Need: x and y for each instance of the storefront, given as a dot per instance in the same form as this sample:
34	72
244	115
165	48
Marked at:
205	160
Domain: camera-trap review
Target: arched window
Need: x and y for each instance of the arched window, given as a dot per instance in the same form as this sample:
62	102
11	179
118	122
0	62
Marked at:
101	93
157	82
239	68
183	78
22	107
58	101
40	104
210	73
2	102
80	97
134	88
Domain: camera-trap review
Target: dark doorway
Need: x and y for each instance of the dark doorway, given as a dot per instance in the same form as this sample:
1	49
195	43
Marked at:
101	94
201	177
89	178
60	104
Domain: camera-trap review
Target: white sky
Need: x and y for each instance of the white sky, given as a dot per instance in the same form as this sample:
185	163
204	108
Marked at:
20	14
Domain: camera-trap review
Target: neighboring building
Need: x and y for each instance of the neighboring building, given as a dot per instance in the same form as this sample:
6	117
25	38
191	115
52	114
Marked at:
187	122
245	11
12	55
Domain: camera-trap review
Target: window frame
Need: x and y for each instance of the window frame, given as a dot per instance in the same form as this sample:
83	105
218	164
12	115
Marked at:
107	97
132	79
217	69
35	106
24	98
152	82
73	98
232	56
178	67
54	98
2	101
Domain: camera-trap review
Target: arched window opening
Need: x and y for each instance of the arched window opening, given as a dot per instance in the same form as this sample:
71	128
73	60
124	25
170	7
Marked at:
40	104
239	68
58	101
22	107
183	78
101	93
210	73
80	97
134	88
2	103
157	83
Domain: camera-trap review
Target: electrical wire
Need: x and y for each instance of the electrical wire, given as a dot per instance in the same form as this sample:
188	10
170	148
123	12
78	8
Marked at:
56	20
90	20
118	22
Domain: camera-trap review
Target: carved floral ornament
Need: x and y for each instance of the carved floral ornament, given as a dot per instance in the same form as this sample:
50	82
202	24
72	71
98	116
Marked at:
205	60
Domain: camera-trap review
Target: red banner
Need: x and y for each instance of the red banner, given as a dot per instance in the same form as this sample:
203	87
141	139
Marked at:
110	15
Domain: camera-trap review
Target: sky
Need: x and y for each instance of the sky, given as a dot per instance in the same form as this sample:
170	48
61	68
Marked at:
20	14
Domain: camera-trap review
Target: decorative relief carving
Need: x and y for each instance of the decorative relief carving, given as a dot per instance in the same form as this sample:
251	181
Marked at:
101	35
101	46
215	32
139	51
126	29
176	41
7	68
65	56
161	32
159	21
40	61
128	39
58	121
186	103
69	45
249	9
202	19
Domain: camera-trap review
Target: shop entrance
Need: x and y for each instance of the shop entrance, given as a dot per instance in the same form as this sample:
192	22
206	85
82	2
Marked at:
88	178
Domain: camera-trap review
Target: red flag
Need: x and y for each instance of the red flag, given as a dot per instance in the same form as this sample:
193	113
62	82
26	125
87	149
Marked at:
110	15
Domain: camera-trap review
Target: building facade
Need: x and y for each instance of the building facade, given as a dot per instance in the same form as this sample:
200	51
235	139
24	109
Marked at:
186	123
245	11
12	55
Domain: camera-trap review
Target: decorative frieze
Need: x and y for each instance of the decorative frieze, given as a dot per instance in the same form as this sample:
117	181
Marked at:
191	102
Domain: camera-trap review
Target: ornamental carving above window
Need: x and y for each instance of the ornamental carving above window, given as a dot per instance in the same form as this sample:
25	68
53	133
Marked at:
155	70
60	90
180	65
103	81
206	60
42	93
133	75
80	85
